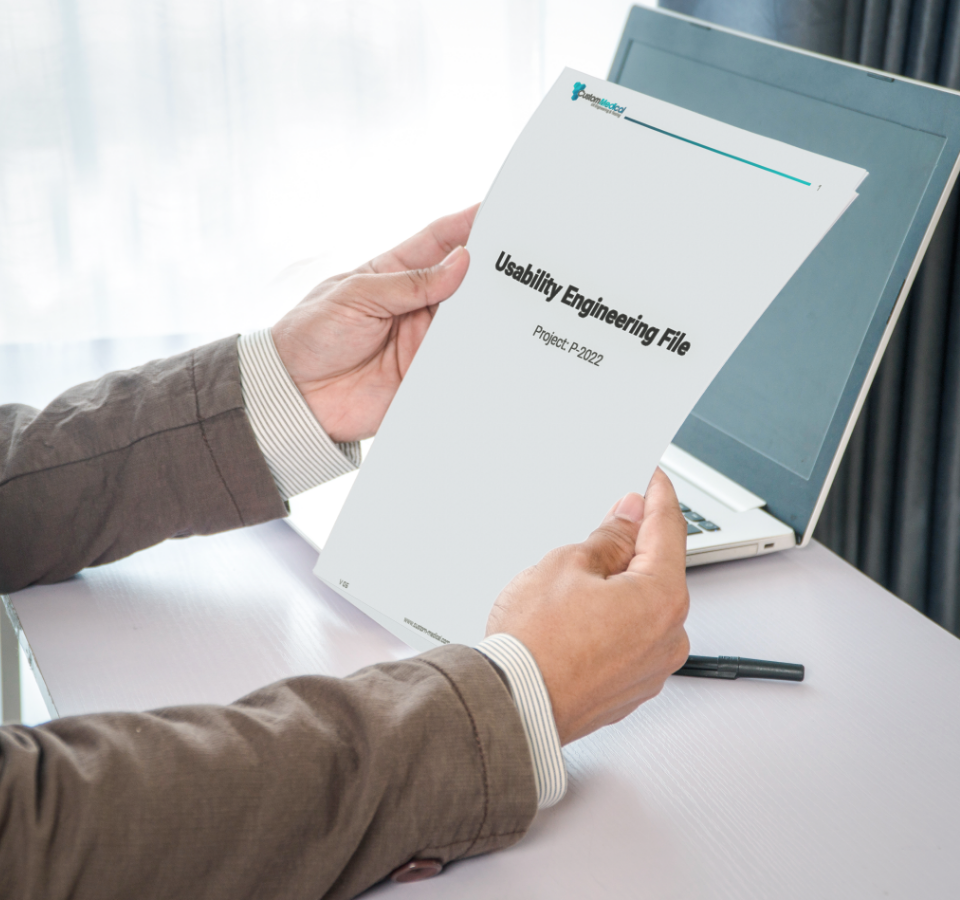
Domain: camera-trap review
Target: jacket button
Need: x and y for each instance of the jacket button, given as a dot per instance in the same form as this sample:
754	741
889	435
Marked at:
416	870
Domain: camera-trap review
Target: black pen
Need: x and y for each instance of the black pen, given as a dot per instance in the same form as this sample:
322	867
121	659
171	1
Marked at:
737	667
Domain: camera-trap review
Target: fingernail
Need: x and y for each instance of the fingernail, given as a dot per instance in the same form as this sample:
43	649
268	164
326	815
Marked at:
630	508
451	257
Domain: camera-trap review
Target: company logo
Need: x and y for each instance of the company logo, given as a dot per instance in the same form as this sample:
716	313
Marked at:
607	106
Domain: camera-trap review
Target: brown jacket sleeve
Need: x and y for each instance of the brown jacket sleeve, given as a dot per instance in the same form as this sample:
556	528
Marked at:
122	463
310	787
313	787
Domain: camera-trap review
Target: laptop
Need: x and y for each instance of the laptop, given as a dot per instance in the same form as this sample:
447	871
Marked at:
754	461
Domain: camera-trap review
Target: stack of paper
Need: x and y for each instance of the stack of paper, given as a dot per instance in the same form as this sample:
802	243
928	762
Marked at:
625	249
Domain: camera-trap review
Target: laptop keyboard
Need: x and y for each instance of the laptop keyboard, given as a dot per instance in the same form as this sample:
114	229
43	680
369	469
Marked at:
696	524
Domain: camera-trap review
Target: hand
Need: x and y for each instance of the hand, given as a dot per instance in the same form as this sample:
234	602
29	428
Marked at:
349	343
604	619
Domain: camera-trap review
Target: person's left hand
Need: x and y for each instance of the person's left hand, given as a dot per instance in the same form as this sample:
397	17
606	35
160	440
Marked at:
349	343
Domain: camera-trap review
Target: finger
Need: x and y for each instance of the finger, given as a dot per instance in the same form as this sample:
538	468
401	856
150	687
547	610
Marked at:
662	538
427	247
611	546
397	293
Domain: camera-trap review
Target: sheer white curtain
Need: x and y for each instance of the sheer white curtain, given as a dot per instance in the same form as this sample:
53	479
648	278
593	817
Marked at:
194	165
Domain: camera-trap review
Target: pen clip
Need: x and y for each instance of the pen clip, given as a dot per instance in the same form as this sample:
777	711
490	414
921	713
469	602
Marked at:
728	666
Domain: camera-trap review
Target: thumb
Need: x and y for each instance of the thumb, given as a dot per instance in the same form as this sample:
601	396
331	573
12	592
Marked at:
611	546
396	293
663	535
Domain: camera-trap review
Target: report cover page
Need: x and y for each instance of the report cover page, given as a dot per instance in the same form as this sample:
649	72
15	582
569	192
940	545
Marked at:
624	250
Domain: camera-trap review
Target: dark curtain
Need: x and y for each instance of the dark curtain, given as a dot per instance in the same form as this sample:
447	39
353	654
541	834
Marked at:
894	509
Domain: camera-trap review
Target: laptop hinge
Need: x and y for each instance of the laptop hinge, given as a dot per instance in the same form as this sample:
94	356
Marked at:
709	480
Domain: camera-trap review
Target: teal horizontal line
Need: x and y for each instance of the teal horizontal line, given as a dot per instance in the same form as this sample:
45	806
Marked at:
714	150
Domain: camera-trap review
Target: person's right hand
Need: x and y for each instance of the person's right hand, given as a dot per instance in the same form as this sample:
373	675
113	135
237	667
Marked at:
604	619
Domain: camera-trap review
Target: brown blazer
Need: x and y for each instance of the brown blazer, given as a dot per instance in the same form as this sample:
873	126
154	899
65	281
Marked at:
310	787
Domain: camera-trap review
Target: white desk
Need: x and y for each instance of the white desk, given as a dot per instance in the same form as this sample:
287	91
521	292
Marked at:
847	785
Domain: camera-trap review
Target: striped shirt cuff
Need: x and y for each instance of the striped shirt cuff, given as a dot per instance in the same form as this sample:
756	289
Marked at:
533	703
299	453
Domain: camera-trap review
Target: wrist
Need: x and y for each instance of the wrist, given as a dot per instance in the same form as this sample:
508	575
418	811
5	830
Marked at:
299	452
519	669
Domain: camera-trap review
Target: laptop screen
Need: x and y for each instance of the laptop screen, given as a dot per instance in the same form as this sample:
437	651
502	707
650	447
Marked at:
779	392
774	416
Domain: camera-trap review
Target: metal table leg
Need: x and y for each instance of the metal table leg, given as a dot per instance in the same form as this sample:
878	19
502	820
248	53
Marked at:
9	670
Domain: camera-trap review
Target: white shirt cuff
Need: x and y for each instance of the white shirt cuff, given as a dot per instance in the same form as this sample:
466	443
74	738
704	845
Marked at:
299	453
536	714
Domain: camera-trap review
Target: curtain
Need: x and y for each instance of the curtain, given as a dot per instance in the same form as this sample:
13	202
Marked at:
894	508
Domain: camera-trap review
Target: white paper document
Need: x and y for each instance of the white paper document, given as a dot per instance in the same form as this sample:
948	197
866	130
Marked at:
625	249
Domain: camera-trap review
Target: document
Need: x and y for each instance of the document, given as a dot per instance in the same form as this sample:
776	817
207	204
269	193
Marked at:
624	250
